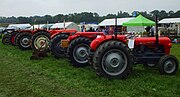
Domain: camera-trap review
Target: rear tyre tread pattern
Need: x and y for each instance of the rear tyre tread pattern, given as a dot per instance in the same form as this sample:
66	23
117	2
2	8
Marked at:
54	43
19	40
71	47
104	48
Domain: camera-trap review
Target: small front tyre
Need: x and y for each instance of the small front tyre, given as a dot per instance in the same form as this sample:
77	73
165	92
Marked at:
6	39
168	65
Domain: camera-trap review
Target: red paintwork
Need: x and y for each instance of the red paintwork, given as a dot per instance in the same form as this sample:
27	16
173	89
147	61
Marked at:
98	41
90	35
56	32
150	42
13	39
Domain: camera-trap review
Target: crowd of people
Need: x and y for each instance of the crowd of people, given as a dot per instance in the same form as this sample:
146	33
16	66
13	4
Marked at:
110	30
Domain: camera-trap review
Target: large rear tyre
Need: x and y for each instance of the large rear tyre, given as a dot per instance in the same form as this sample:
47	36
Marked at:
24	41
12	38
40	41
168	64
6	39
78	51
15	39
113	59
56	48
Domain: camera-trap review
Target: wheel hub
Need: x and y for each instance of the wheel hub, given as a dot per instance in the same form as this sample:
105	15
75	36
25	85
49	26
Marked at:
114	62
169	66
25	41
80	53
6	40
41	42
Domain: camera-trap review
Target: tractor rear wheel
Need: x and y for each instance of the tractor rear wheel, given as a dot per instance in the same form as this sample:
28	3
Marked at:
78	51
40	41
113	59
6	39
168	64
24	40
15	39
12	38
56	48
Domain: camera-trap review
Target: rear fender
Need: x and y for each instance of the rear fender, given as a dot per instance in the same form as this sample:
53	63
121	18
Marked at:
40	30
98	41
26	31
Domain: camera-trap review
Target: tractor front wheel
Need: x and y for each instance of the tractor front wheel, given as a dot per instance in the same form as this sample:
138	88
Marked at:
168	64
6	39
78	51
56	48
113	59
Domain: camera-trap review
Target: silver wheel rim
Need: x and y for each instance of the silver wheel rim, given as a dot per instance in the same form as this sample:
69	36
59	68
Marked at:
80	53
41	41
114	62
169	66
25	42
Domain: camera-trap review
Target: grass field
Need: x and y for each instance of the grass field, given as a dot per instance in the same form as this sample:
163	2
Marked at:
22	77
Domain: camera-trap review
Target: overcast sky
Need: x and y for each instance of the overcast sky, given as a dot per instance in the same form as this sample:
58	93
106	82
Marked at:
102	7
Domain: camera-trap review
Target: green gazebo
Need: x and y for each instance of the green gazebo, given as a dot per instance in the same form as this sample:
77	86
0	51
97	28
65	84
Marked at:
139	21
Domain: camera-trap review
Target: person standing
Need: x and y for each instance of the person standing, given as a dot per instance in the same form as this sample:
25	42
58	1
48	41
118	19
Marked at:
152	31
111	30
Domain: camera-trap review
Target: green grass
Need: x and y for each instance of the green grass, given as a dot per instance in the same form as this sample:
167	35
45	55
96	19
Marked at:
22	77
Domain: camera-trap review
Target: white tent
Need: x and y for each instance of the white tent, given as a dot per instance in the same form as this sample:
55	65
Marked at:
110	22
18	26
67	25
171	21
37	26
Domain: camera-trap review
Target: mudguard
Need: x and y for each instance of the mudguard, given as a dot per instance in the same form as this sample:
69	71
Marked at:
90	35
56	32
98	41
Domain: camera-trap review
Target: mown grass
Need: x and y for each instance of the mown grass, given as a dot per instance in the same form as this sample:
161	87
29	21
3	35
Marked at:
22	77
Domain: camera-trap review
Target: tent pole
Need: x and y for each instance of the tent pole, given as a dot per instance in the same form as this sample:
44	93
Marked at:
178	29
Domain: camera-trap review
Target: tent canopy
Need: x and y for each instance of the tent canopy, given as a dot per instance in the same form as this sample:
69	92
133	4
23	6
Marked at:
18	26
170	20
61	25
111	22
139	21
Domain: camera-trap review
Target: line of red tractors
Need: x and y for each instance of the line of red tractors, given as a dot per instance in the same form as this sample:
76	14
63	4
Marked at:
110	55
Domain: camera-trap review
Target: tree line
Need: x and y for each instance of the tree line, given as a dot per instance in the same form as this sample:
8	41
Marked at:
87	17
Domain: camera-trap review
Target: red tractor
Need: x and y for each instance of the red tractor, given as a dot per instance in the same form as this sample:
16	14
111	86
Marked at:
78	46
112	58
